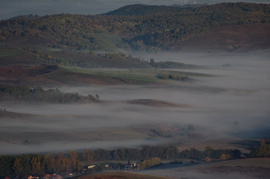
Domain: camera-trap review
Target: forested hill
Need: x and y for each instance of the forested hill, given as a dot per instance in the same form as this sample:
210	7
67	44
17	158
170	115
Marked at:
142	9
163	31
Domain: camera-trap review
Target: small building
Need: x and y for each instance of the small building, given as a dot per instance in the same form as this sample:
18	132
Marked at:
91	166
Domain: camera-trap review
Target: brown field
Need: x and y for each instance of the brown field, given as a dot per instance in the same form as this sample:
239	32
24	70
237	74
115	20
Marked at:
156	103
120	175
48	75
236	38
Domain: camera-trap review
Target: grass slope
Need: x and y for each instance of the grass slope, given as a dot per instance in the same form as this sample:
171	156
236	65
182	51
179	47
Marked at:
100	61
135	75
17	56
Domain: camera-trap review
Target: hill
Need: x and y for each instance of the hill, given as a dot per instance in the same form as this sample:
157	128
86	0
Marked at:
153	32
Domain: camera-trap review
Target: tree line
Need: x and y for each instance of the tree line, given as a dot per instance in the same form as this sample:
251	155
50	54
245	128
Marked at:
38	94
130	61
210	153
154	32
73	161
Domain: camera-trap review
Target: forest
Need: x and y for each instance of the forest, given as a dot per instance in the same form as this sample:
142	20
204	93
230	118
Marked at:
154	32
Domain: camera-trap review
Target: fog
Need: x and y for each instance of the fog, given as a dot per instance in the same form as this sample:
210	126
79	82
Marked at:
9	9
232	103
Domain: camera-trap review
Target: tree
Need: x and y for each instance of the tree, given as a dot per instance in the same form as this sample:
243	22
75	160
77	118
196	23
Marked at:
101	155
61	162
18	169
73	157
222	157
36	165
137	153
51	163
88	156
152	61
116	155
207	159
194	153
122	153
165	76
149	163
208	152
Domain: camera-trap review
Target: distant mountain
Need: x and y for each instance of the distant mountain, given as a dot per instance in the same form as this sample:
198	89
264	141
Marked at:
142	9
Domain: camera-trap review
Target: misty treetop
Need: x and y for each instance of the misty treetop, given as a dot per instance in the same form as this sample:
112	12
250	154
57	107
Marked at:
154	32
38	94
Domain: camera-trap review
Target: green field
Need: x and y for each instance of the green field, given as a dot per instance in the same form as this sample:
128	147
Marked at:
144	75
10	52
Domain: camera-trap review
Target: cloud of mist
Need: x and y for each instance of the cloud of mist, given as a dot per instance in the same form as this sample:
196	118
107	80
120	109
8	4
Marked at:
237	94
60	146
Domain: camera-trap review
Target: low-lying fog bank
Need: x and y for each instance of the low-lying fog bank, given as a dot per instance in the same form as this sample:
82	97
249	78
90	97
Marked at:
232	103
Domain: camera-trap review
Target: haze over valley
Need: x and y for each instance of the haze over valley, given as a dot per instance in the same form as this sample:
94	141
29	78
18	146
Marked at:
184	92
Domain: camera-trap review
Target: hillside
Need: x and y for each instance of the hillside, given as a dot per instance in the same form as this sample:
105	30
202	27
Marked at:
235	38
154	32
44	75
